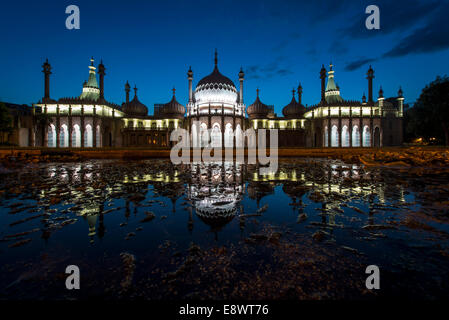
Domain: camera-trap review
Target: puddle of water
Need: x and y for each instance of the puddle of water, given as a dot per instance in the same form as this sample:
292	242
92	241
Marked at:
153	230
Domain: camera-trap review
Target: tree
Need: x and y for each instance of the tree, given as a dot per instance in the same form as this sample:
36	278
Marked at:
429	117
5	122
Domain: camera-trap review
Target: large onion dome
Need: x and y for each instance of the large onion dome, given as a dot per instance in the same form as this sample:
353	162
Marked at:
258	109
294	109
216	88
135	107
173	108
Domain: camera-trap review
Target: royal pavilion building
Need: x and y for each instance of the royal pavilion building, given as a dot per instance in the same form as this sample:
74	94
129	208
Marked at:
215	104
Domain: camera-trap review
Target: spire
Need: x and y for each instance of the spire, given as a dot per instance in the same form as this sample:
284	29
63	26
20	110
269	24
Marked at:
293	92
241	73
135	91
257	92
400	93
174	91
190	72
381	92
299	93
92	61
216	58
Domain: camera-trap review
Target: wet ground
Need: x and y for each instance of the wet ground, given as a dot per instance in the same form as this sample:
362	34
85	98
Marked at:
151	230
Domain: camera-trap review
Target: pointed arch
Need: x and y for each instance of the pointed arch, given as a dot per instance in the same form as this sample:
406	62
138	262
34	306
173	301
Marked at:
366	137
334	136
51	136
355	136
63	136
345	136
88	136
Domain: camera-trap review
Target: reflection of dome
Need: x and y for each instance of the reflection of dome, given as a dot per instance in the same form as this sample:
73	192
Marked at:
258	108
216	88
293	109
173	108
135	107
216	213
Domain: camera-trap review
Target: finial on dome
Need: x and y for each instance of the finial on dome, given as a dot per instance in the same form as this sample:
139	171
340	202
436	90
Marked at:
400	93
216	58
174	91
331	66
135	90
381	92
257	91
92	61
293	92
364	98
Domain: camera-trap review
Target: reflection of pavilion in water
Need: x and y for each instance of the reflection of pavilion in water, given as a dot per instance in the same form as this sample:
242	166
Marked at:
215	190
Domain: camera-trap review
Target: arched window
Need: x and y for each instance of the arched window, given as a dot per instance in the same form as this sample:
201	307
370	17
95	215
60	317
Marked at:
238	136
98	137
64	136
216	135
204	135
326	137
366	137
229	136
76	136
51	136
345	136
88	136
334	136
355	136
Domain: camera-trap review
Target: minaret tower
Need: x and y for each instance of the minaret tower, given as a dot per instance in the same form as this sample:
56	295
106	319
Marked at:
102	73
299	93
370	77
241	78
323	83
400	99
46	69
190	78
127	90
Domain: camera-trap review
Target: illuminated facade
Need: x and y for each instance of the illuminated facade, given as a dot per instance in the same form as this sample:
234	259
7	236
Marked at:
215	114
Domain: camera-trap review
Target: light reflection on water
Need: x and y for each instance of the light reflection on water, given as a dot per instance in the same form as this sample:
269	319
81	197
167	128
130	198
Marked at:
99	208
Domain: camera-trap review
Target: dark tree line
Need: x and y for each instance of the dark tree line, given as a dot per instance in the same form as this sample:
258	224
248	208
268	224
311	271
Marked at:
429	117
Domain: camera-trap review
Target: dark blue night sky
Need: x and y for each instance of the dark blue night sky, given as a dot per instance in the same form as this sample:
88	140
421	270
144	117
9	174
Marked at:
278	43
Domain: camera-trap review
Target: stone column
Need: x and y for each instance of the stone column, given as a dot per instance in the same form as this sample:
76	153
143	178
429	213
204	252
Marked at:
58	126
94	129
350	127
329	129
340	130
222	126
82	126
70	129
361	128
371	129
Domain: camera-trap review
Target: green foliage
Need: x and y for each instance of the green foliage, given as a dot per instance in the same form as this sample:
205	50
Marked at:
5	119
429	117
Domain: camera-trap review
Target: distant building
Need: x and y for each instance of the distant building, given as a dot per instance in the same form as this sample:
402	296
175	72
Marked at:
89	120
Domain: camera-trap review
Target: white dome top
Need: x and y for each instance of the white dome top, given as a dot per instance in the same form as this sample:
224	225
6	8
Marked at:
216	89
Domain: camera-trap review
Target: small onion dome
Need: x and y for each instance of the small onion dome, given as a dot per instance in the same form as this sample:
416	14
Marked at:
293	109
190	72
364	98
241	74
258	109
400	93
381	92
135	107
173	108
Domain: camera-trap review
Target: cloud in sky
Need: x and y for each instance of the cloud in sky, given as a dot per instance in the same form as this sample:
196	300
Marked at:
432	37
395	16
356	64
